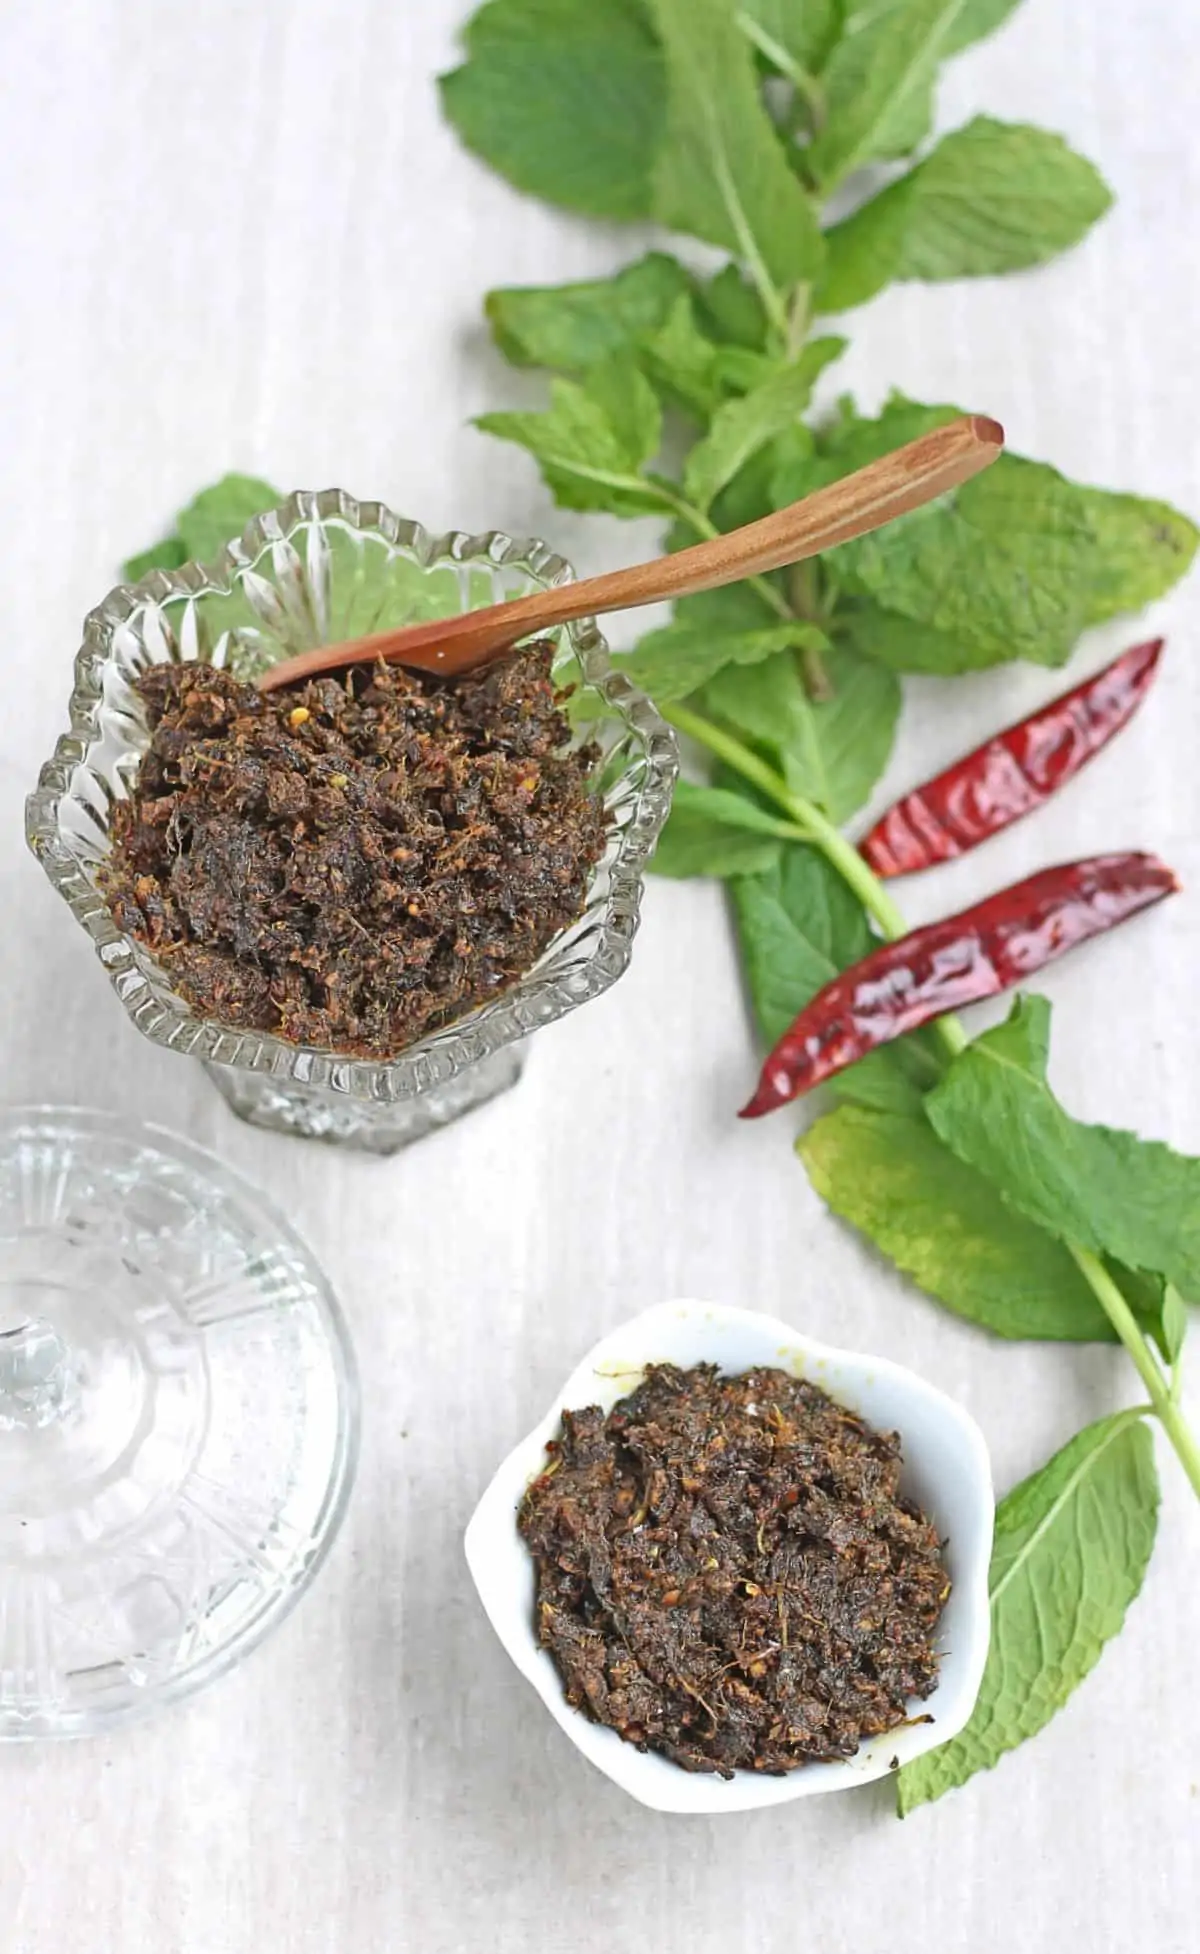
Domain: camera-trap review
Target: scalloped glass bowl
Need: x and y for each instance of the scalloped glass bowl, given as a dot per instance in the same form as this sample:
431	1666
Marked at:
320	568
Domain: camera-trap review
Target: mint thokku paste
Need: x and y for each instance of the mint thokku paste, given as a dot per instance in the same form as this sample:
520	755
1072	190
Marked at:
728	1573
353	862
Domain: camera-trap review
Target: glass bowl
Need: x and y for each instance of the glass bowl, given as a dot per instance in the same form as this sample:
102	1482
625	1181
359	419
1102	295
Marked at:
320	568
178	1420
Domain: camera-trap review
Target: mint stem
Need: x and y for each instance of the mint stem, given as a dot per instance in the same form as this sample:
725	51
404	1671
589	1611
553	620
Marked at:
816	827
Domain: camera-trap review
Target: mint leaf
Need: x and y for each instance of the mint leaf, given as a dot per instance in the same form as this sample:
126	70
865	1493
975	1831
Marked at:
680	359
866	250
795	36
167	555
742	427
947	1227
1174	1324
591	444
1107	1190
574	327
1073	1542
855	731
831	751
219	514
1141	548
1013	565
711	831
905	646
798	924
722	174
996	197
977	19
567	101
681	657
879	86
731	310
213	518
993	197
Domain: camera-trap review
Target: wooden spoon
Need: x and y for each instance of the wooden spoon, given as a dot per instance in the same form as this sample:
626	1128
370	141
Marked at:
866	500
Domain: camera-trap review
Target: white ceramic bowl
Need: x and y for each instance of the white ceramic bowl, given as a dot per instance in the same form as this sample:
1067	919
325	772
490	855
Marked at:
946	1471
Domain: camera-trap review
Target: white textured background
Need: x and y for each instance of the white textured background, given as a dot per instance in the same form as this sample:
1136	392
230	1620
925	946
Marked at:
237	234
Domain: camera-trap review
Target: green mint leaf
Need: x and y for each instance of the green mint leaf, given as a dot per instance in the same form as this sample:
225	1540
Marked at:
996	197
1012	565
219	514
798	924
991	198
574	327
566	101
1073	1542
947	1227
879	86
795	36
722	174
1107	1190
742	427
625	397
832	751
712	831
907	647
167	555
683	656
591	443
731	310
1141	549
682	361
866	250
855	731
1158	1306
1174	1324
977	19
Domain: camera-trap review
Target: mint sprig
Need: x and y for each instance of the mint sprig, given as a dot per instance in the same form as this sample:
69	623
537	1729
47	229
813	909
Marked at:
955	1159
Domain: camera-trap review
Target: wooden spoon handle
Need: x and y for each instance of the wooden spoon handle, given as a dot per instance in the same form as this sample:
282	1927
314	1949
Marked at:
859	503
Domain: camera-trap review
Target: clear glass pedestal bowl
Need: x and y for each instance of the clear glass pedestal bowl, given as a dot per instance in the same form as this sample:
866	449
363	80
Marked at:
321	568
178	1420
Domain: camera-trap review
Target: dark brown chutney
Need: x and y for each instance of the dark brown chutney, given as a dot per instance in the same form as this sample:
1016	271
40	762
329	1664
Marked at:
357	861
727	1571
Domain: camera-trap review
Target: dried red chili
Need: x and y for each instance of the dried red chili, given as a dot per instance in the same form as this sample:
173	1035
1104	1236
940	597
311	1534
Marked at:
1011	774
945	965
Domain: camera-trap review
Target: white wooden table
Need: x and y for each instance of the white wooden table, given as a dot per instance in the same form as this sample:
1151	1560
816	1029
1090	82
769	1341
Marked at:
238	234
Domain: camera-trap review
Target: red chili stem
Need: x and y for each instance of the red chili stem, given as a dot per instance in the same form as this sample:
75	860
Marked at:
976	954
1011	774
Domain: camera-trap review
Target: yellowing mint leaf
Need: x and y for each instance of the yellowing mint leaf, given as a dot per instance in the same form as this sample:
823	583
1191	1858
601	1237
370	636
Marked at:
742	427
574	327
566	101
1105	1189
711	831
947	1227
1073	1542
879	86
722	174
591	444
676	661
993	197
